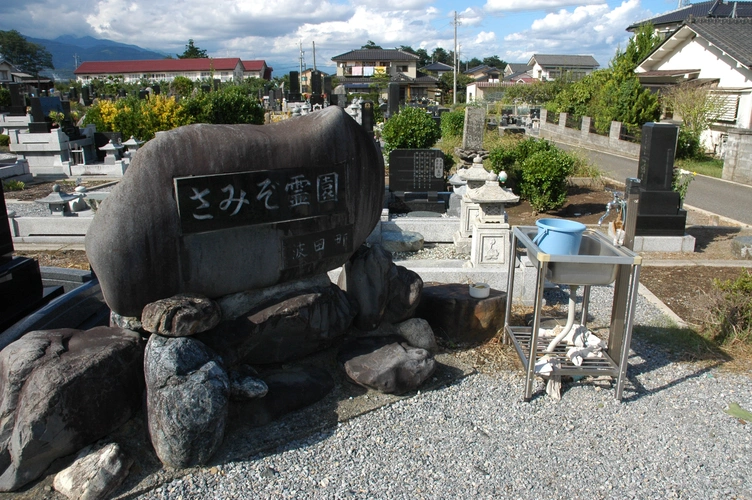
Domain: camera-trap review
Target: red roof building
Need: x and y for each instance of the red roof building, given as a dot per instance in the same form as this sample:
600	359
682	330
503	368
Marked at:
225	69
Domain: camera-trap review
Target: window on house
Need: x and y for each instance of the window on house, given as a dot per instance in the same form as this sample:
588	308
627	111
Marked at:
729	106
402	69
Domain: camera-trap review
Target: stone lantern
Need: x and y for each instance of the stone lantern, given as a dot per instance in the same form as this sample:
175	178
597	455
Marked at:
58	201
491	232
112	152
131	146
475	177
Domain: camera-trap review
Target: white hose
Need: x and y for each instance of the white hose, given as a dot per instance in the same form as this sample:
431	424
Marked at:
570	319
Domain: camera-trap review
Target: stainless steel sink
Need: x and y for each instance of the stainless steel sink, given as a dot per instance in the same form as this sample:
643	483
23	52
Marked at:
596	263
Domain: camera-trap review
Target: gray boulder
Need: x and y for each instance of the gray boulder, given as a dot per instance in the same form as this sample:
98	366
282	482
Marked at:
386	364
415	331
309	191
382	290
283	330
187	395
95	474
401	241
62	390
246	384
180	316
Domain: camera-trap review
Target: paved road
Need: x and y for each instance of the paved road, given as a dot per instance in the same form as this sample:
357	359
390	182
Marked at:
725	198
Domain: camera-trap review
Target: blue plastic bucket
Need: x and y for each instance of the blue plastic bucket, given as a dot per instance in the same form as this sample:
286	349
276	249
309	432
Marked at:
559	236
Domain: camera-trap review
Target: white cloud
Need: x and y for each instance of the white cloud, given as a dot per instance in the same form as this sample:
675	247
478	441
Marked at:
587	29
523	5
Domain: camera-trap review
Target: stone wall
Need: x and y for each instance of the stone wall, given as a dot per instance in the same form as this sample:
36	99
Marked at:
737	164
586	139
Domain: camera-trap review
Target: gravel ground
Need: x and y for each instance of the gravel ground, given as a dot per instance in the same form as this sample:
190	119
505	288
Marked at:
668	438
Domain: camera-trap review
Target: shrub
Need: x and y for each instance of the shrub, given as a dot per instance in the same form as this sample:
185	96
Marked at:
729	316
544	179
5	99
4	140
688	146
14	185
412	128
511	157
453	123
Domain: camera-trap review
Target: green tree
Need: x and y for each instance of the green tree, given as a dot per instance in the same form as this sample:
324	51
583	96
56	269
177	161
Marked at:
4	97
411	128
495	62
424	60
535	94
472	63
696	105
27	56
441	55
192	52
446	84
181	86
370	44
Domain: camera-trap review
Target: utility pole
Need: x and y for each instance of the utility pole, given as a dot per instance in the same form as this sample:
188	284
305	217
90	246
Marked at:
314	55
454	93
300	79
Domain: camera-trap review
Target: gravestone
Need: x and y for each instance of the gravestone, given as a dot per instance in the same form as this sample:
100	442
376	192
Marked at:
294	82
328	85
17	100
21	289
40	113
659	212
316	82
366	116
416	176
472	131
260	205
393	93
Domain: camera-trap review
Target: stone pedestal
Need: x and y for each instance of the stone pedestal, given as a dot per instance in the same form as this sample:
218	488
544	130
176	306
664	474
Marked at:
456	316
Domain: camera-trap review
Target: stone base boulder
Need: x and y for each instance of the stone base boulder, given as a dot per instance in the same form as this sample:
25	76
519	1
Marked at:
382	290
180	316
95	474
61	390
187	396
284	330
401	241
386	364
459	318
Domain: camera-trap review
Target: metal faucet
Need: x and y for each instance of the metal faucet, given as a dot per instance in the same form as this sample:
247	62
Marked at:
618	203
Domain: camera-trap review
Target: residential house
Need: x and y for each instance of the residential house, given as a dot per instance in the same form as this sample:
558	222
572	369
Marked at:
667	23
552	66
6	70
484	73
517	69
437	69
225	69
357	69
713	51
257	69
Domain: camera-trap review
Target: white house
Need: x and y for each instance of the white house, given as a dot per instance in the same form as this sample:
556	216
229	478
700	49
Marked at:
713	51
225	69
553	66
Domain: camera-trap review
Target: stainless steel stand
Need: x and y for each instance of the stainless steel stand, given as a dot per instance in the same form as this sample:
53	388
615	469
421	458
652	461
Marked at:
599	263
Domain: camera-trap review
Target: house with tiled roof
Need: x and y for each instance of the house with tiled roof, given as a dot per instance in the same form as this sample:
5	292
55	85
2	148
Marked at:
671	21
554	66
716	52
484	73
257	69
357	70
516	69
225	69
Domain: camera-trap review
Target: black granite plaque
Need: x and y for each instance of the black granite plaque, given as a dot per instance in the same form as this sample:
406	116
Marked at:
215	202
309	248
416	170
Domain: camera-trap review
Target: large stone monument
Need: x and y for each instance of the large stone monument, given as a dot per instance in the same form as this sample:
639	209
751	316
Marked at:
202	206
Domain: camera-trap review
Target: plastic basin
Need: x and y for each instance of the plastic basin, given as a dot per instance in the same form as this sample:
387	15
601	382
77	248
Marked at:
585	273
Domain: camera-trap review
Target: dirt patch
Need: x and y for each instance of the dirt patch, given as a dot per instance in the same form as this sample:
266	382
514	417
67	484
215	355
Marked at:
38	190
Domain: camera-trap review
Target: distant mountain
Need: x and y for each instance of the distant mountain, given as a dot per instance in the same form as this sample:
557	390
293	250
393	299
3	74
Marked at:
86	48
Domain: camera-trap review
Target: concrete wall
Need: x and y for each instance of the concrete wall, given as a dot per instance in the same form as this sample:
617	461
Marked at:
737	164
584	138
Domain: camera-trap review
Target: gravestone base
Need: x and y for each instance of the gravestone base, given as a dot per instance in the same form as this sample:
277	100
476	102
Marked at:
683	244
490	244
462	244
22	290
661	224
419	202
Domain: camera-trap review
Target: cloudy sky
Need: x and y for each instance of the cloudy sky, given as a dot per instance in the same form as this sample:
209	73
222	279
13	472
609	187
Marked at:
274	29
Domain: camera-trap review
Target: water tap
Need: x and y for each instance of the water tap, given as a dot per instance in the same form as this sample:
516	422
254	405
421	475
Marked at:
618	203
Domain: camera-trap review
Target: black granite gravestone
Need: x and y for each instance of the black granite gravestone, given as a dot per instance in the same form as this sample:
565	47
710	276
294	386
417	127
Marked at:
659	211
17	101
294	82
316	83
393	92
328	85
416	176
366	116
21	289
